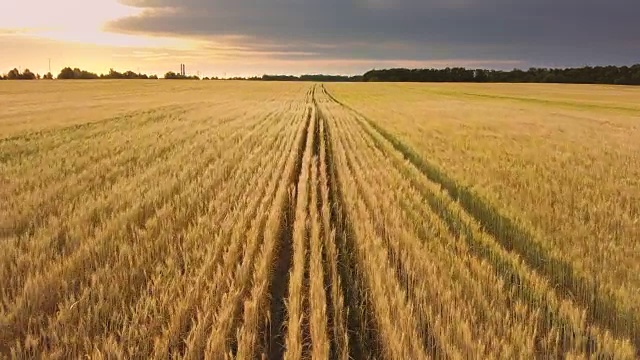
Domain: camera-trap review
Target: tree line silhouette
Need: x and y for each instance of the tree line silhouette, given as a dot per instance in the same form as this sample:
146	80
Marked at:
74	74
15	74
173	76
616	75
316	77
69	73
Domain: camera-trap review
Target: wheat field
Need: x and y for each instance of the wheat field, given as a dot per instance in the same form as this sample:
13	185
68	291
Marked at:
218	220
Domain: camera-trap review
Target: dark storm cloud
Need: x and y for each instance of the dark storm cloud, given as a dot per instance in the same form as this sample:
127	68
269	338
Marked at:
558	32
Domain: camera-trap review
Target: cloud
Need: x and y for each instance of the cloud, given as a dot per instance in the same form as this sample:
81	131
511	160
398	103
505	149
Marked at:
555	32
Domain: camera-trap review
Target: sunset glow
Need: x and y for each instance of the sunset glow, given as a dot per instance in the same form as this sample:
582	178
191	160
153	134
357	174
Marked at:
77	21
63	15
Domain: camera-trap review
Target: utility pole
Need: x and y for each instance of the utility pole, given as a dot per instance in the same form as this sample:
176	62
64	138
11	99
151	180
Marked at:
49	65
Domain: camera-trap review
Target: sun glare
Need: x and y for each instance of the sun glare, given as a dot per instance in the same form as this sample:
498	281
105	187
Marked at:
64	14
78	21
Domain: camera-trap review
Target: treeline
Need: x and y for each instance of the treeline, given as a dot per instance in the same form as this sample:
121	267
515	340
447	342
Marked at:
74	74
15	74
315	77
173	76
618	75
78	74
127	75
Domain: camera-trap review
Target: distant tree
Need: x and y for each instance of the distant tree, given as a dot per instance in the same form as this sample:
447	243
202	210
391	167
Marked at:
86	74
48	76
126	75
114	74
13	74
634	74
173	76
27	75
130	75
68	73
480	75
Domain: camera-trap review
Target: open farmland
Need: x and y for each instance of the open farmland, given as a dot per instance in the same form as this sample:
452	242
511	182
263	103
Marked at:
297	220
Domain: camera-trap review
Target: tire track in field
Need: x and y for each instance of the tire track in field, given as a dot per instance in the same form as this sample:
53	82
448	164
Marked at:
429	342
276	333
363	341
338	346
360	340
602	309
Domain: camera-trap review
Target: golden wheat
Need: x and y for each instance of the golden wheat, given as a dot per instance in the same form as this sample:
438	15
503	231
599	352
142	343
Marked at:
217	220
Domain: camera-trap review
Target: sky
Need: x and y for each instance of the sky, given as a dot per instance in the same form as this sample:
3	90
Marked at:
228	38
